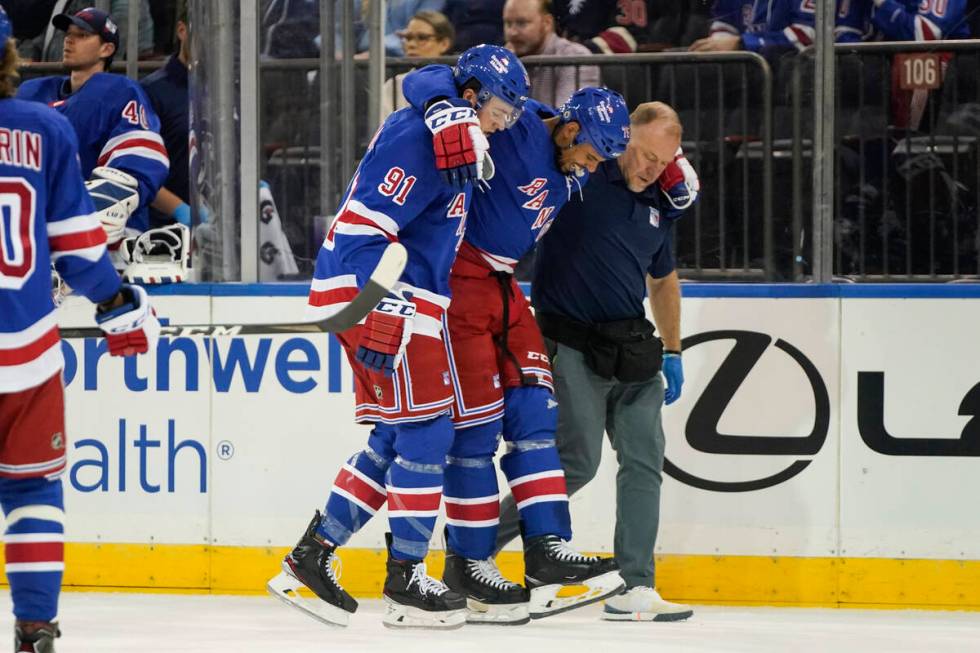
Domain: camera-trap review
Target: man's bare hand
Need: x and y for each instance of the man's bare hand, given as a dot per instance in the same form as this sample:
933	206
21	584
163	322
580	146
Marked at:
717	43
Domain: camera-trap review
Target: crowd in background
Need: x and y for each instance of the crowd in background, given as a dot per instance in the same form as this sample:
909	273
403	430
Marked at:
291	28
720	105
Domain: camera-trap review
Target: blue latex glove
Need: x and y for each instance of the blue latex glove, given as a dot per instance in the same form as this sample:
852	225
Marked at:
673	370
182	214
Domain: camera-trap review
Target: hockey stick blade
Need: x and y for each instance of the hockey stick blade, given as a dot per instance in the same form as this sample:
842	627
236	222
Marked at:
383	279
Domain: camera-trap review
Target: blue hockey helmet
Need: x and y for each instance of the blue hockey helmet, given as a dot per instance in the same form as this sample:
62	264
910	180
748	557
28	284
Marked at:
5	28
603	119
500	74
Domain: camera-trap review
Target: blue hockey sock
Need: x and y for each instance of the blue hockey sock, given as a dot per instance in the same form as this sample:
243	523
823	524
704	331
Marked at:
34	545
471	494
359	489
531	463
414	484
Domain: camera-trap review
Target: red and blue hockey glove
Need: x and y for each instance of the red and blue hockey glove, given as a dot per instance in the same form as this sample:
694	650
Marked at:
132	327
679	182
674	373
387	330
459	144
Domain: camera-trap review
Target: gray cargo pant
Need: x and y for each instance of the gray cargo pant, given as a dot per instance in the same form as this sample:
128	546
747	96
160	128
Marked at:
589	405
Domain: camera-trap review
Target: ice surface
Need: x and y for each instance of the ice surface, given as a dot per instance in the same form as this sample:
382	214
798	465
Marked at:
168	623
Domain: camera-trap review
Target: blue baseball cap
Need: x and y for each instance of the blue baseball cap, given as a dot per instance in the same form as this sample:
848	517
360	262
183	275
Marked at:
93	21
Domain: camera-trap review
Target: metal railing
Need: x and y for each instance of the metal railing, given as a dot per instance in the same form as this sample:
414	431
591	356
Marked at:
906	203
907	200
724	100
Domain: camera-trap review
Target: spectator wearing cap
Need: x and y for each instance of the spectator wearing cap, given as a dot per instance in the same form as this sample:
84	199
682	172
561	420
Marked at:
529	28
429	34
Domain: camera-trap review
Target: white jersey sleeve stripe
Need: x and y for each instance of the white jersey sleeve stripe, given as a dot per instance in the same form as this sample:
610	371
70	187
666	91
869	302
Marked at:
339	281
73	225
93	253
135	135
359	230
143	152
381	219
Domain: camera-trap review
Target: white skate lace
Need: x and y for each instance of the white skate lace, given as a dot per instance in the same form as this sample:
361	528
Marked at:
566	553
334	567
427	584
486	572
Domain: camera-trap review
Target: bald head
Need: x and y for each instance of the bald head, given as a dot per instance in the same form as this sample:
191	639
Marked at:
655	135
651	112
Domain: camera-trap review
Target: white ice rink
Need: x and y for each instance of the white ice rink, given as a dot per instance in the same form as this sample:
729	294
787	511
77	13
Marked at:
97	623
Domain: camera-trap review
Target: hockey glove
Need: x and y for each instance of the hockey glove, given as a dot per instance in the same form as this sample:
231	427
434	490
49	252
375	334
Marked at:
679	182
387	330
458	141
131	328
115	195
674	373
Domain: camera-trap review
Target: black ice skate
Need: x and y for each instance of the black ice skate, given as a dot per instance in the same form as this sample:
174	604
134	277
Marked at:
35	636
490	598
416	600
550	563
311	564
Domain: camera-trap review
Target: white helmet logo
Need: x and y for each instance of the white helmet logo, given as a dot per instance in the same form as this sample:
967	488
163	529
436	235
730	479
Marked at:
500	65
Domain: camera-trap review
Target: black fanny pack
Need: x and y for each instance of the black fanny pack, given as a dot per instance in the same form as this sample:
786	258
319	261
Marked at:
626	350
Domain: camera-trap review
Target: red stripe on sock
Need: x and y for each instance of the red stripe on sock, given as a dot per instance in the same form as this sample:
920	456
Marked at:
538	487
398	501
473	511
353	485
35	552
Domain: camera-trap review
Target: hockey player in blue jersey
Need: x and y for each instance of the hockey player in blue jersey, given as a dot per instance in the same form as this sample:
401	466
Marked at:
45	215
401	368
122	154
500	371
763	26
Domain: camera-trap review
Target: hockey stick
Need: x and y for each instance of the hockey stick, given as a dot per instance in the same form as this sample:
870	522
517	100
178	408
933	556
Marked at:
384	277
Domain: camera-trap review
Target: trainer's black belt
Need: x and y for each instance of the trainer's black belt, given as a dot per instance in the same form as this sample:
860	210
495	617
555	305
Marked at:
627	350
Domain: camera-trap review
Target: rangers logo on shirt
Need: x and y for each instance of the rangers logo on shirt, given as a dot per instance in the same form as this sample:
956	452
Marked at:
654	217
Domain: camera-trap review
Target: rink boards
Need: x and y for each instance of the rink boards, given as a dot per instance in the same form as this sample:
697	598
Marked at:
826	449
